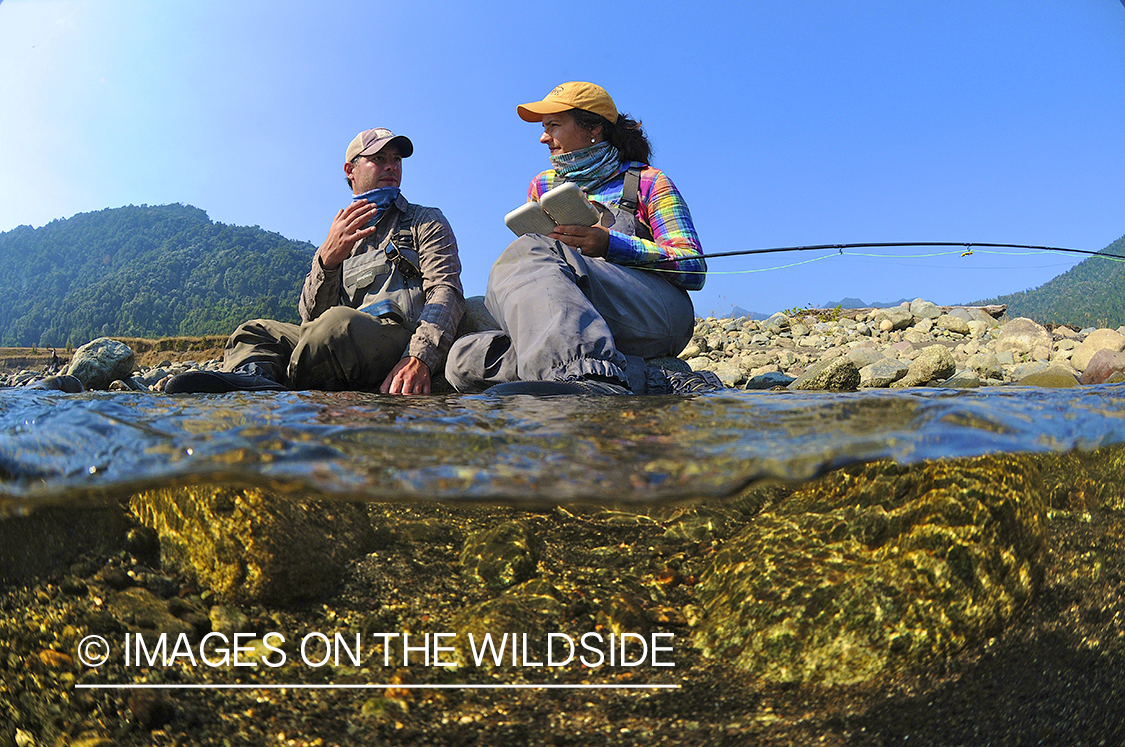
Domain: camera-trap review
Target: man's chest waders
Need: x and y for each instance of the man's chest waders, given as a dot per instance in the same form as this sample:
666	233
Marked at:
385	280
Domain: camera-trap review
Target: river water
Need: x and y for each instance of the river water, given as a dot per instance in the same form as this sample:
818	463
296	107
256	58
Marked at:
60	448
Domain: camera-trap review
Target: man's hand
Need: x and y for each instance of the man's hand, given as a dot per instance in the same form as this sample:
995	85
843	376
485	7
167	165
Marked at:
409	376
349	227
592	241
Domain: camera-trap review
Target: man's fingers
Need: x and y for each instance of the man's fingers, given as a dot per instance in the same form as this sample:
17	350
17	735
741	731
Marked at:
356	224
362	210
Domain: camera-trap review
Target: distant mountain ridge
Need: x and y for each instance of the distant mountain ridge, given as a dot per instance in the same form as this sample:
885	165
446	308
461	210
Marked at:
856	303
143	271
1090	294
737	312
168	270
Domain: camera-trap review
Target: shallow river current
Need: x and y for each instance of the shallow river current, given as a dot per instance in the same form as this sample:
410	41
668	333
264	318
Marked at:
60	448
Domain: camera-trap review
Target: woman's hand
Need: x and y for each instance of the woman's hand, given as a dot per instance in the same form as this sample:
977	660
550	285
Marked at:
592	241
349	227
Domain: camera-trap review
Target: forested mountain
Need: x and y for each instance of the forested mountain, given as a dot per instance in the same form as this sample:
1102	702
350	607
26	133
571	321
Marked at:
1090	294
167	270
148	271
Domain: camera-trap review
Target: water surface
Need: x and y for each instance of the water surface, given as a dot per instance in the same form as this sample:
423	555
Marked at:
56	447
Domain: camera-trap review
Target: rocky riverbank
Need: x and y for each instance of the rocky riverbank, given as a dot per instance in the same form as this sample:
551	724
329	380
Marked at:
914	344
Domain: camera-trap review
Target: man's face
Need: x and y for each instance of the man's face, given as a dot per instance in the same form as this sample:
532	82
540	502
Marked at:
382	169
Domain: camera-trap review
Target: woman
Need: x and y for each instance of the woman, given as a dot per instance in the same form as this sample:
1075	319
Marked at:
586	304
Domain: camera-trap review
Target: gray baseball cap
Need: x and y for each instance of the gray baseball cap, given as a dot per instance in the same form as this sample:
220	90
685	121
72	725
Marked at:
370	142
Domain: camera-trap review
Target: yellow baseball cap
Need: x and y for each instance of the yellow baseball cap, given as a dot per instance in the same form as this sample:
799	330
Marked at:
573	95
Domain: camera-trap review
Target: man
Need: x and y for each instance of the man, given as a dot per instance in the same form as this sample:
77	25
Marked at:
380	306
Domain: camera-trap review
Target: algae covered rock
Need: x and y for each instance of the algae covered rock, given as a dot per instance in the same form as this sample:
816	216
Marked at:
497	631
147	613
247	544
1080	481
1055	377
875	567
501	556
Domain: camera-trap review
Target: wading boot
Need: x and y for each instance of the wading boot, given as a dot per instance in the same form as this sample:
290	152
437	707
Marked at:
248	378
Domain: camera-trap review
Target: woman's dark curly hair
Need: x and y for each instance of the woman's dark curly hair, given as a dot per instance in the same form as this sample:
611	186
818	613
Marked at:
625	134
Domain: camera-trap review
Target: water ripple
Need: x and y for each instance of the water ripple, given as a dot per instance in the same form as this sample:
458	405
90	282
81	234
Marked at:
56	447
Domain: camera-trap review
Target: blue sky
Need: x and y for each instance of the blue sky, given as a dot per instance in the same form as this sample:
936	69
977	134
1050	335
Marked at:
783	123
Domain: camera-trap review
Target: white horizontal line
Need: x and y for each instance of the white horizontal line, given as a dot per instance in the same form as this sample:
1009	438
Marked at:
371	686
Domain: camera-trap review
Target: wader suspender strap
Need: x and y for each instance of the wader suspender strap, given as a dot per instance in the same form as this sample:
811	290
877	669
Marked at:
404	236
631	189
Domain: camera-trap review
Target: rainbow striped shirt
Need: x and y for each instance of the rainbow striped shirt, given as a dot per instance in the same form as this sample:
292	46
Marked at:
663	209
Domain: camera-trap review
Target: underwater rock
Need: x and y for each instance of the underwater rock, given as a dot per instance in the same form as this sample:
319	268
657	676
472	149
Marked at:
502	556
247	544
875	567
613	571
1081	481
146	613
54	536
525	613
228	620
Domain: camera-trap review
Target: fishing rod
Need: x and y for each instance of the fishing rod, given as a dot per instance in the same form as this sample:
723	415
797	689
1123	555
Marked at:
966	245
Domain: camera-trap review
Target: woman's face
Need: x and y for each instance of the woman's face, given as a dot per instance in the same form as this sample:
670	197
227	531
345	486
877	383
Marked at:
561	134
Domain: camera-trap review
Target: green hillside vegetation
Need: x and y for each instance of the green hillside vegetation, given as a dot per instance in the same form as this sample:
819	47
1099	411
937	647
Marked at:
1090	294
147	271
